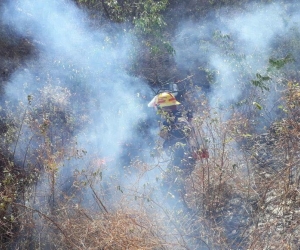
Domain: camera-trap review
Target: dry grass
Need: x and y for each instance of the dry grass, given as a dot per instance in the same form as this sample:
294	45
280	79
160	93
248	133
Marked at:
129	229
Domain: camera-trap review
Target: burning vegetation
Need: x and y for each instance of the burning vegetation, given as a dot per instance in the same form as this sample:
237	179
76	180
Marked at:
213	164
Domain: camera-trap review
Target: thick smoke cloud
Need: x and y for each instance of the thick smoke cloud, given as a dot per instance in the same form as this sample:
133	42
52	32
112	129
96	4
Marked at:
91	63
235	45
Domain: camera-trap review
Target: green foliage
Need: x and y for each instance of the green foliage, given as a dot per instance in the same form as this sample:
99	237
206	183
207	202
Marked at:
280	63
261	81
149	19
144	14
275	65
146	18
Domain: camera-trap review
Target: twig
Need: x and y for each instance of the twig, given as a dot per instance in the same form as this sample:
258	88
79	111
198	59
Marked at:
96	196
49	219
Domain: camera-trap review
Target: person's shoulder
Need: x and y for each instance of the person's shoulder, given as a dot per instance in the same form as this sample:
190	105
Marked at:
177	114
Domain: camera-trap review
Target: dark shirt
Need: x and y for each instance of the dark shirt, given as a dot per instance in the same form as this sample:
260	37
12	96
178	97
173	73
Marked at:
176	129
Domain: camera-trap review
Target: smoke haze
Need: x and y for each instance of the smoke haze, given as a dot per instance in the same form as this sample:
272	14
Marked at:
235	46
84	70
91	63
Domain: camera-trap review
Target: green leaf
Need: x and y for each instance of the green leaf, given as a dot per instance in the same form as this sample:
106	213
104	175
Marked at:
279	63
260	81
257	105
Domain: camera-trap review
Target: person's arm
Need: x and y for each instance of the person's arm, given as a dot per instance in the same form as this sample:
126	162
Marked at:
164	132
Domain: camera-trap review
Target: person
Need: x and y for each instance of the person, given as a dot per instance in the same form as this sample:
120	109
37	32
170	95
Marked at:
175	130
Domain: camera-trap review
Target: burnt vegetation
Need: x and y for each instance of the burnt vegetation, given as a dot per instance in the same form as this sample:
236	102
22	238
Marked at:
56	194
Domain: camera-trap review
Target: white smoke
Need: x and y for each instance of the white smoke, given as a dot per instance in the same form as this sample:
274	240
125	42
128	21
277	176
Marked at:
234	46
92	63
